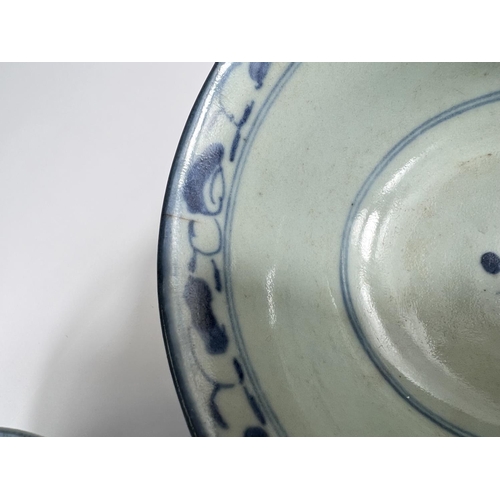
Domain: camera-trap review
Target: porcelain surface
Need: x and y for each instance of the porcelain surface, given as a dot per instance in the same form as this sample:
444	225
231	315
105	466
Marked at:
328	254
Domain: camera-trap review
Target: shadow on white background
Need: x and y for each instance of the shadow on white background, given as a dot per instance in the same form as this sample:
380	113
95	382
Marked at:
85	152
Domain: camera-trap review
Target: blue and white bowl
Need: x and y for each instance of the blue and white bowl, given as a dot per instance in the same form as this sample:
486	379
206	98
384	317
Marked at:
328	255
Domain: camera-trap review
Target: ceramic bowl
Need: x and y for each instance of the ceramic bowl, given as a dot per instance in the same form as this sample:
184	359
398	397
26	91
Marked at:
8	432
328	256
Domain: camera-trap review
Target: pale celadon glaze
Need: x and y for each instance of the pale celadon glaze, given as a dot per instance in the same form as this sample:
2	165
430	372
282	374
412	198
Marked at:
328	251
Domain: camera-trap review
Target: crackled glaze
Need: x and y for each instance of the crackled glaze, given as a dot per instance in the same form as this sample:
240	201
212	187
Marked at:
329	248
209	169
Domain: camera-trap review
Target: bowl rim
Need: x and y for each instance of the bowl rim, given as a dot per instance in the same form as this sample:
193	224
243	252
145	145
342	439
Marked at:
192	419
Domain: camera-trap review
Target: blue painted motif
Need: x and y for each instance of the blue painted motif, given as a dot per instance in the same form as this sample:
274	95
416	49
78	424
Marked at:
207	167
196	250
258	71
252	378
239	370
218	283
239	126
490	262
204	193
255	407
198	297
344	253
207	170
214	409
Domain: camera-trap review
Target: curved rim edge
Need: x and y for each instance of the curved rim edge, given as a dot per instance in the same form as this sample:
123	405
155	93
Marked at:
193	422
11	432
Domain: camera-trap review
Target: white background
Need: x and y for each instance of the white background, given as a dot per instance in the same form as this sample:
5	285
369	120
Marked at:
85	153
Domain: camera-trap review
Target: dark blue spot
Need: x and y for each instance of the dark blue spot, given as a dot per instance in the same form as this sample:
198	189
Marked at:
218	283
490	262
258	71
234	145
237	136
191	234
199	300
255	432
239	370
255	407
206	166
